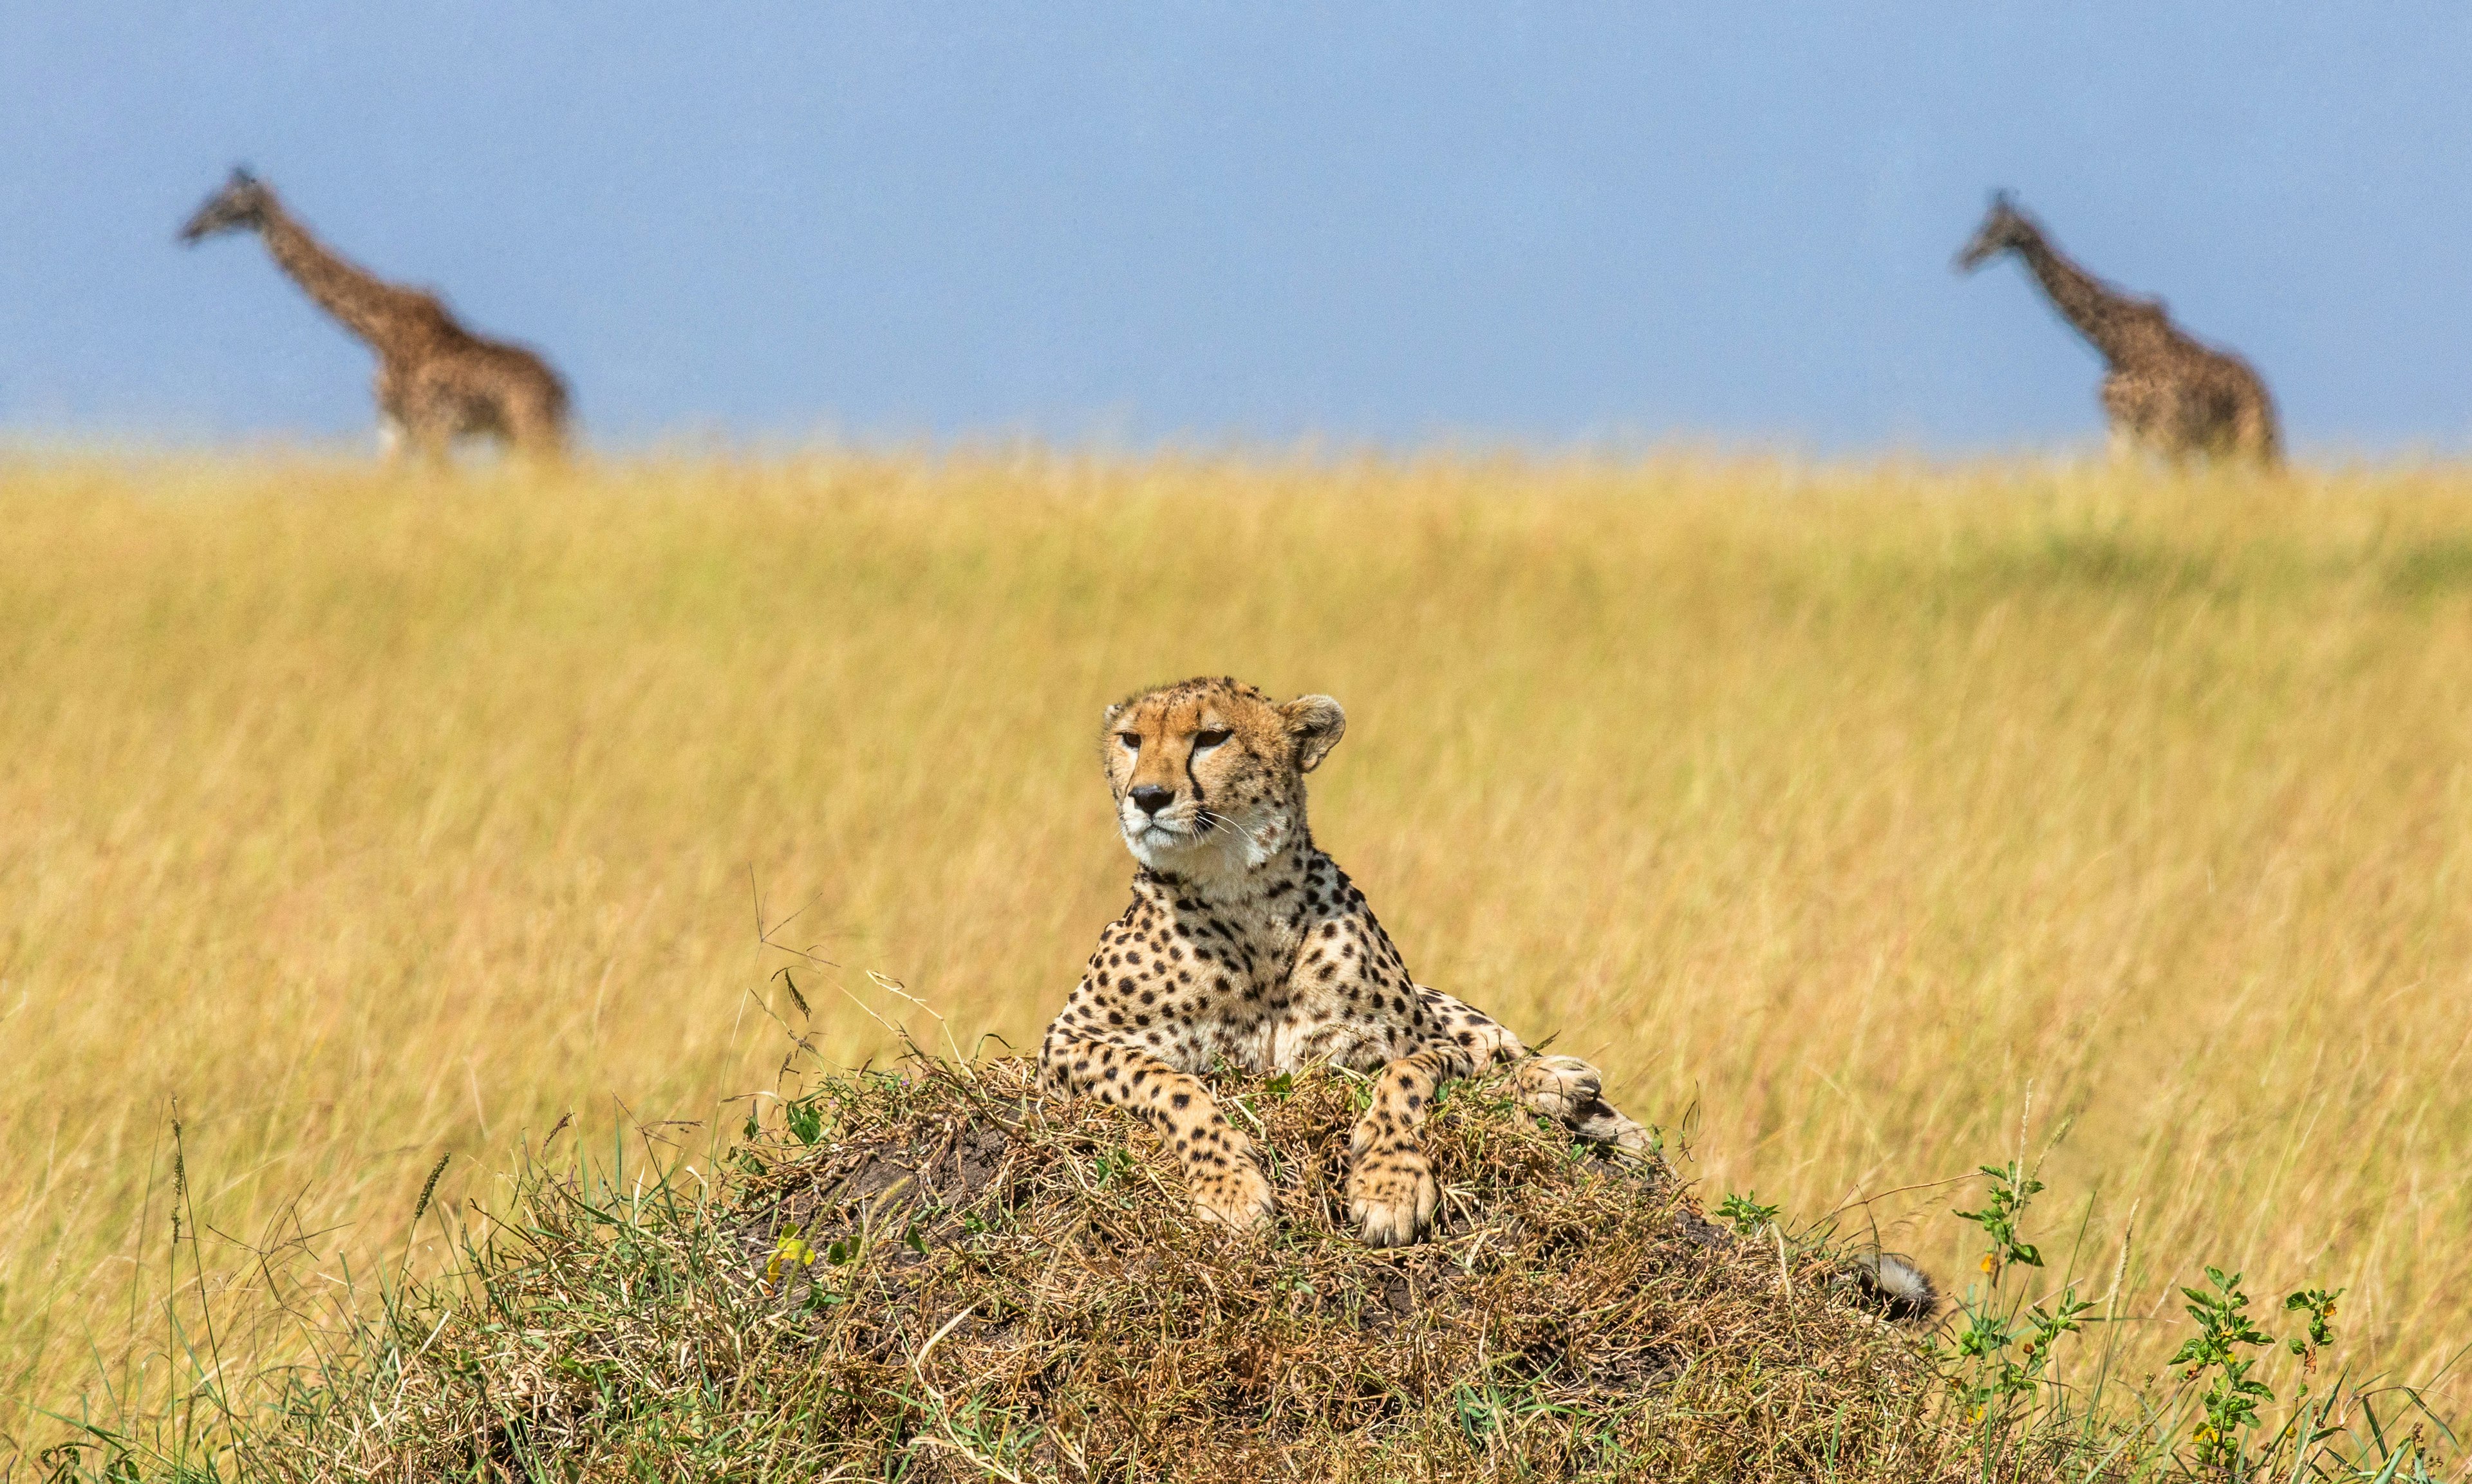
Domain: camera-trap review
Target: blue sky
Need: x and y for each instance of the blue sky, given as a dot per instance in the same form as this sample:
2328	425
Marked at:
1551	223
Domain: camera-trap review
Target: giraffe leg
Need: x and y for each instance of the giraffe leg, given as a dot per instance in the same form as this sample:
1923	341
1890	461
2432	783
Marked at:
2130	404
2254	433
1226	1186
394	435
429	432
534	430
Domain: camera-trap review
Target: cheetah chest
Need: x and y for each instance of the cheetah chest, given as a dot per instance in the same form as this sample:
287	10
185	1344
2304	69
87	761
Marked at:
1197	984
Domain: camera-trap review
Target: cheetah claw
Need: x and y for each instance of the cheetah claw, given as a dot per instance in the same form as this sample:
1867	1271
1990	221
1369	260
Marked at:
1560	1087
1237	1198
1393	1201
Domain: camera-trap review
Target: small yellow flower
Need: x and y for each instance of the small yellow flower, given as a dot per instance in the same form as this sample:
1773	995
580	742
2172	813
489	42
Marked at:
790	1249
1990	1263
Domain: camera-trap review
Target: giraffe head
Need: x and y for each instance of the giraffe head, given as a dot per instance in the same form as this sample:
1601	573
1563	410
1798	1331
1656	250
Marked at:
238	207
2003	228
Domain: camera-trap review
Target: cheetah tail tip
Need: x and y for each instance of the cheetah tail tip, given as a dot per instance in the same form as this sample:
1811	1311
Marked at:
1903	1291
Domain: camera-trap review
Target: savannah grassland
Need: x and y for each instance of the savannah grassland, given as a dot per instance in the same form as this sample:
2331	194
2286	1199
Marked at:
1866	823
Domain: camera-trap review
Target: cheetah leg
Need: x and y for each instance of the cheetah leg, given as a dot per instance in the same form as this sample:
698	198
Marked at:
1485	1040
1226	1186
1392	1193
1561	1087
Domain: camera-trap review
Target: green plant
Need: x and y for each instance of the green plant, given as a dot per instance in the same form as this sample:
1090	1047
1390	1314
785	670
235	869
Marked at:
2232	1393
2318	1305
1745	1211
2003	1352
1988	1337
2013	1191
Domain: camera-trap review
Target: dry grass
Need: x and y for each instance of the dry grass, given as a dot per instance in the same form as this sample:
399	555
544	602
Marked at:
941	1276
373	818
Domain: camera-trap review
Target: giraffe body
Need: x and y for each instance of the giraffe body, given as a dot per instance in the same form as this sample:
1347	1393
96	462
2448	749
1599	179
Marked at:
436	381
2164	391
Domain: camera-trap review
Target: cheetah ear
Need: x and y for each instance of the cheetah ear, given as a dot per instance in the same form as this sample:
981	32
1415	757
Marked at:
1317	724
1109	715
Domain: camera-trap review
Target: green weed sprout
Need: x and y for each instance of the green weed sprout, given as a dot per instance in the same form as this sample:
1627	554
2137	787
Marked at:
2012	1190
1746	1213
2232	1394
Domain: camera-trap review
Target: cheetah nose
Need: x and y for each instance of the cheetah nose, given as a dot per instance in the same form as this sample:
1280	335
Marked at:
1151	798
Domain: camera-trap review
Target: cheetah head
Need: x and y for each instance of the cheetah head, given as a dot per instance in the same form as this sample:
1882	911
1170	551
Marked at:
1208	774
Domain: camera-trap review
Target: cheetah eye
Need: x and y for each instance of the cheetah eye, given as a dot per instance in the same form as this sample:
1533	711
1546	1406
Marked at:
1204	742
1133	741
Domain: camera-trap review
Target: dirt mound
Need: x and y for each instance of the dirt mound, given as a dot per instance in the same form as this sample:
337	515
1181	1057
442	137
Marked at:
1000	1283
934	1274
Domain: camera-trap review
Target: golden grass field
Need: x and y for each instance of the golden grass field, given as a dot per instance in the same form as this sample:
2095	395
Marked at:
1840	812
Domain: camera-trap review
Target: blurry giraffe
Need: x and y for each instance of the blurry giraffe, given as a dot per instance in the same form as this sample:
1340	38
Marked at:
2164	391
436	381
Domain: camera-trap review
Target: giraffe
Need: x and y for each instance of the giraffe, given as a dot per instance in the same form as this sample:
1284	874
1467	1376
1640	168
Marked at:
436	381
2165	390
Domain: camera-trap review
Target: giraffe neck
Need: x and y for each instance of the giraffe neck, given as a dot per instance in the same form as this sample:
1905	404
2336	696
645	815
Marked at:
378	312
2109	318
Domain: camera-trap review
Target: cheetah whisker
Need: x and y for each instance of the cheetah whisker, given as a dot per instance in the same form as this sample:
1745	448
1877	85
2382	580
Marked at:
1213	822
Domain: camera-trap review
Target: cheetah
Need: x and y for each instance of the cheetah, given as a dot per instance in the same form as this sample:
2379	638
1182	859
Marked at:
1246	946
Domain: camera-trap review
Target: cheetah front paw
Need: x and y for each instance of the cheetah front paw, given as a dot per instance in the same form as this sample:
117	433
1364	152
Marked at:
1391	1196
1236	1197
1561	1087
1572	1093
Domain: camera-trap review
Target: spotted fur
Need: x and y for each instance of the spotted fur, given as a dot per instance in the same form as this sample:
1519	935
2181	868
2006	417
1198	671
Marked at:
1247	946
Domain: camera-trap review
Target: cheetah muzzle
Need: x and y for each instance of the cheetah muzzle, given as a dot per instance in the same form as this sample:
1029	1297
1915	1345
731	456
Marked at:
1246	946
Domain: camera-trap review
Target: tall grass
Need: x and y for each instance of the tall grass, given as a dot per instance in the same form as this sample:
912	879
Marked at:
1866	822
